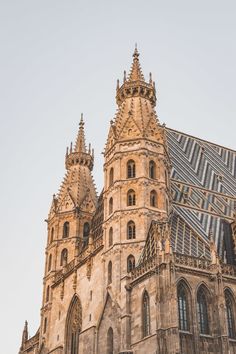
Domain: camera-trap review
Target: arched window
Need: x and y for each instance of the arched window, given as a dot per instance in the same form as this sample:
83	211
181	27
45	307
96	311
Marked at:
110	237
183	308
45	325
152	169
64	257
49	262
86	231
130	169
109	273
130	263
52	235
73	326
131	230
153	198
131	197
66	229
47	293
111	176
202	311
110	341
110	205
146	314
229	302
166	178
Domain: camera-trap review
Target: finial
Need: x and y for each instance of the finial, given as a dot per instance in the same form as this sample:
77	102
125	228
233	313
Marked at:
89	148
118	84
150	78
136	53
124	75
81	123
70	147
67	151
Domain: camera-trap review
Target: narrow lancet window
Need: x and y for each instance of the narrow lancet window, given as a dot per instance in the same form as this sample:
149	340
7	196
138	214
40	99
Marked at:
183	308
153	198
66	229
202	310
152	169
110	205
130	263
110	243
131	232
229	302
109	273
131	173
146	314
131	198
64	257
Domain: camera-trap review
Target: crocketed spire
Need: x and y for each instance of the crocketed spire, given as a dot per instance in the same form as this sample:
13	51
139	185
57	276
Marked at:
136	71
80	141
135	85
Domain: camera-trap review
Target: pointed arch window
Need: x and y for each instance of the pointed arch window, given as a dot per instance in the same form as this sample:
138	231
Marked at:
110	205
110	243
202	309
152	169
109	273
49	262
64	257
153	198
47	293
183	308
111	176
131	198
110	345
86	231
146	314
229	302
131	173
130	263
45	325
66	229
52	235
73	327
131	230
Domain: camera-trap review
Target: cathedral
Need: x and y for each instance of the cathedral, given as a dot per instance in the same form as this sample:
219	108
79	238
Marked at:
149	265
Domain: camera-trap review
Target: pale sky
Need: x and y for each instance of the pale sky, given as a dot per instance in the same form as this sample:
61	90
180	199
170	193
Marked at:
60	58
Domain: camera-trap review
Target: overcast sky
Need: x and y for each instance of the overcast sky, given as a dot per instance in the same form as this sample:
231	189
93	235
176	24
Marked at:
60	58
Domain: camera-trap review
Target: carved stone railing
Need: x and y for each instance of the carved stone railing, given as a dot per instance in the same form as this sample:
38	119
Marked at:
228	269
97	243
192	262
32	341
69	267
143	268
58	276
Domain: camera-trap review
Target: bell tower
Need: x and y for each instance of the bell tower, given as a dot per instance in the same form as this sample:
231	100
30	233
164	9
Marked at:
136	175
69	222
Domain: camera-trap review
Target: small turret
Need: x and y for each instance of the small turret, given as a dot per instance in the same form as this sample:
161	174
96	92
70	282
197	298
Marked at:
80	155
135	84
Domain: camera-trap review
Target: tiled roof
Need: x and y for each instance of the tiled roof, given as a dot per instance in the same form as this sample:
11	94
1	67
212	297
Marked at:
203	183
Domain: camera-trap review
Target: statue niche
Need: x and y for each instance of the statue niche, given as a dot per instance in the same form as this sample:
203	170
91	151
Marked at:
73	326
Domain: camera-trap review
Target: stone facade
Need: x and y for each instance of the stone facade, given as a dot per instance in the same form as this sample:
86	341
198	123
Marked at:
114	279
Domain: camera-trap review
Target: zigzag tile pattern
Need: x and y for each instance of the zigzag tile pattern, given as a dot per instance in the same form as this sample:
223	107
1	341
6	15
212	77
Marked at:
203	181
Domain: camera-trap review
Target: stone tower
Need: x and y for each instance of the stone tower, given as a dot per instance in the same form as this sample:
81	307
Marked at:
69	224
136	191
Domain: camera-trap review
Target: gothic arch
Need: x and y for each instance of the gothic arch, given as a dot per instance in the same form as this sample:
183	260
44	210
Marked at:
184	304
204	308
73	326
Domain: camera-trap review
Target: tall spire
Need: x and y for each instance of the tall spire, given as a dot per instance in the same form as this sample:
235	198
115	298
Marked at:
135	85
80	141
136	71
80	155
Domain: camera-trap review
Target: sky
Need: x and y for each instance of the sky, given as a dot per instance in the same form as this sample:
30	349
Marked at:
61	58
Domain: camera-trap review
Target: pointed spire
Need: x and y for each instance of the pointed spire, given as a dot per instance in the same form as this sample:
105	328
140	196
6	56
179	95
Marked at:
80	142
136	71
25	334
